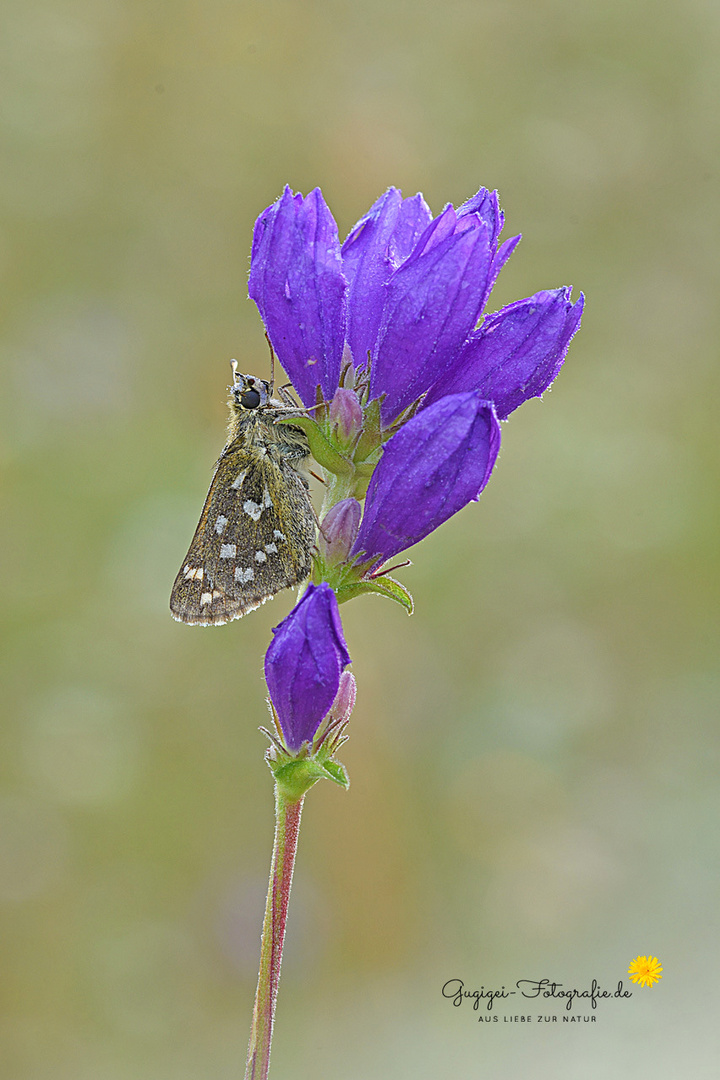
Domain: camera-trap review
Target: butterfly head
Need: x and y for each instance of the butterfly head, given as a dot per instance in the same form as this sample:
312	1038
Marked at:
249	393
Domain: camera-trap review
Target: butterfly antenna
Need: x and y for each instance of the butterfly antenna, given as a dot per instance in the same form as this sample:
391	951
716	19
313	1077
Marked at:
272	362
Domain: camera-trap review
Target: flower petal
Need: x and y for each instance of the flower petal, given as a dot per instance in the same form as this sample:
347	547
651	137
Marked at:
413	220
516	353
487	206
444	225
304	663
297	282
379	243
437	463
367	265
432	303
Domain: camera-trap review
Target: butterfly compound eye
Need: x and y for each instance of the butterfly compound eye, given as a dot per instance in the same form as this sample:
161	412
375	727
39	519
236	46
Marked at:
250	399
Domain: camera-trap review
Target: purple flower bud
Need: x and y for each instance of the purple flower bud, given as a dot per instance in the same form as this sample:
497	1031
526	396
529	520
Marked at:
344	703
338	531
346	412
297	282
304	664
437	463
516	353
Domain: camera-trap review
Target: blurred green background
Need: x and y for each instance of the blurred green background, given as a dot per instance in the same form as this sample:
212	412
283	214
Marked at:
534	755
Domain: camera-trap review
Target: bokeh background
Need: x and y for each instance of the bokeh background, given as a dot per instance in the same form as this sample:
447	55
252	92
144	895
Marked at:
534	755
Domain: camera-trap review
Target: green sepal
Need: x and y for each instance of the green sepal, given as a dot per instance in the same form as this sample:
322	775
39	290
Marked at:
338	576
402	419
371	436
366	468
382	586
347	581
295	776
320	403
320	446
337	772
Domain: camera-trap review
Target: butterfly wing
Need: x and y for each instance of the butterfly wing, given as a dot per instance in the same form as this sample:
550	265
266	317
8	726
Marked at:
254	538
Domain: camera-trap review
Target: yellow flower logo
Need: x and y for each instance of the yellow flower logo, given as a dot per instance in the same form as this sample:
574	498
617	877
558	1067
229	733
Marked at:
645	970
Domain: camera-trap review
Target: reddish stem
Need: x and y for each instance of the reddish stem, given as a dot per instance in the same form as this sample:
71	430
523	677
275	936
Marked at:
287	825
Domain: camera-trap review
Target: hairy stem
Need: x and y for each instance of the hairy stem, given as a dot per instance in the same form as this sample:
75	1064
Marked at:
337	488
287	825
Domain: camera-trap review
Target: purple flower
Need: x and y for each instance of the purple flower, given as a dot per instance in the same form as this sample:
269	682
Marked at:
516	353
405	290
304	664
297	282
432	301
437	463
372	252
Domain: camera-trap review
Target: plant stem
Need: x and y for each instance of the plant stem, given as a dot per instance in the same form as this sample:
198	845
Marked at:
337	488
287	825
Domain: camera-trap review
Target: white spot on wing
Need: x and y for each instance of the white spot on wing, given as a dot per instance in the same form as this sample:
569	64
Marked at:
228	551
271	549
279	535
260	556
252	509
244	575
239	479
220	524
206	598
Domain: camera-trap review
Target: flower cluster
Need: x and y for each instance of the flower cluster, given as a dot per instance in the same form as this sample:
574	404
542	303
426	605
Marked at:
404	392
